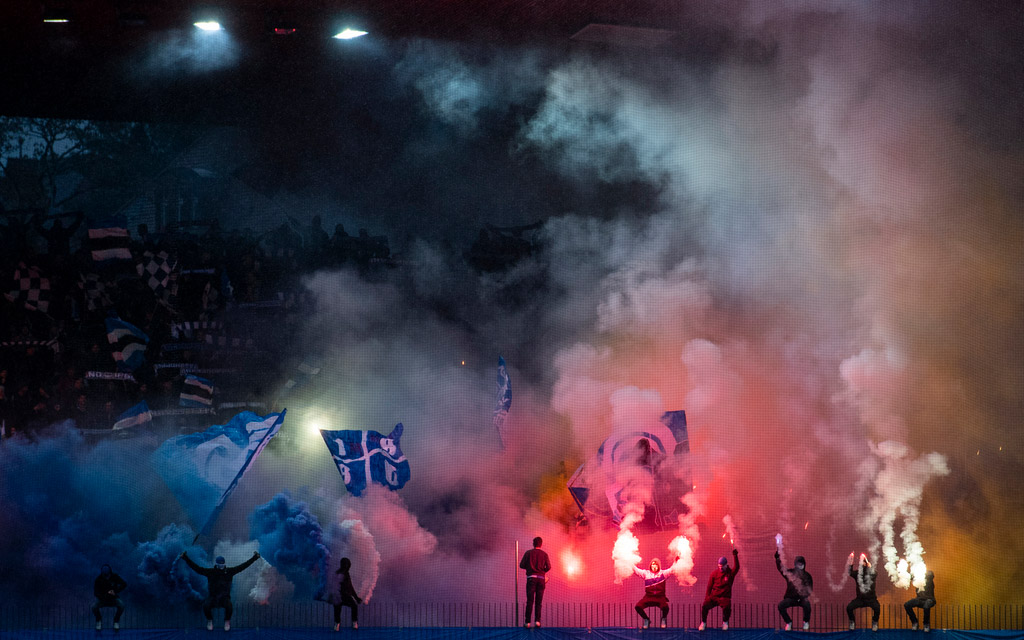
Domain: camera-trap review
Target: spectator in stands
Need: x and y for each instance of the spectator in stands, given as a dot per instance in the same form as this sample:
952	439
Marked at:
347	596
719	591
58	237
106	588
536	563
315	242
925	600
340	245
865	577
799	587
218	579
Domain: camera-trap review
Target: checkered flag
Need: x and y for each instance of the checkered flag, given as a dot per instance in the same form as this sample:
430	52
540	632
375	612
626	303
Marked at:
156	270
95	290
160	272
31	289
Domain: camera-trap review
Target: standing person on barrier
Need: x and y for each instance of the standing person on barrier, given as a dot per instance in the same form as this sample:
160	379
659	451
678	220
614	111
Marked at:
218	579
347	596
864	577
536	563
925	600
106	588
719	593
799	587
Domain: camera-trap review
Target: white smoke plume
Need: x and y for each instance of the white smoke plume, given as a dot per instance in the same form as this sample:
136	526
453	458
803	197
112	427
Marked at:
898	492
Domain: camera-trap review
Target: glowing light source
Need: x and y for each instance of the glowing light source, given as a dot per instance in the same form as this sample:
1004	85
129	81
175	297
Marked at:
56	16
572	564
284	31
207	25
348	34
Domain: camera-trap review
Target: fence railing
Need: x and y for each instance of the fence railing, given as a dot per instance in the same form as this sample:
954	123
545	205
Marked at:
824	616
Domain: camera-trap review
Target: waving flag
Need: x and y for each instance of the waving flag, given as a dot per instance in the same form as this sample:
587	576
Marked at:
676	422
135	416
129	344
196	392
95	289
504	402
109	240
158	272
368	456
202	469
30	289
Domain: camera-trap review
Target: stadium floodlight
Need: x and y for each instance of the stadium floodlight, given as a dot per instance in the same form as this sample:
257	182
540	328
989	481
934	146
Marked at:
349	34
207	25
56	16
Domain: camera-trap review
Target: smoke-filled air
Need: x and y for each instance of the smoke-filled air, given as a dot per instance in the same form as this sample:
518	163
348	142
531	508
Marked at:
803	231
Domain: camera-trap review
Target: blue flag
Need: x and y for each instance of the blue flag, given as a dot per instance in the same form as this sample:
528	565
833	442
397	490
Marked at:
202	469
196	392
368	456
504	401
135	416
129	344
676	422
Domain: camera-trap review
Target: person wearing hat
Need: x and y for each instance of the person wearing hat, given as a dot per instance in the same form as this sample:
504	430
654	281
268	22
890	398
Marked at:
799	586
106	588
348	596
218	579
654	591
925	599
865	576
719	592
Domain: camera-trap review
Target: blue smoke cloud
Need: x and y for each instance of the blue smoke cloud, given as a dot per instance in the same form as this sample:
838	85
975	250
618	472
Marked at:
292	540
160	576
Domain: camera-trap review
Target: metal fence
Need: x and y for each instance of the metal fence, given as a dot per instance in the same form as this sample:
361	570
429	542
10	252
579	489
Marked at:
824	617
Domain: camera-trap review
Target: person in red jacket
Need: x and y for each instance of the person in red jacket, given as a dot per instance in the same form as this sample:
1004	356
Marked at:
536	563
719	593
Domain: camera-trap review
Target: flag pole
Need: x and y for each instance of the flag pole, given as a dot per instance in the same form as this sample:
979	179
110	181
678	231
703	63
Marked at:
515	622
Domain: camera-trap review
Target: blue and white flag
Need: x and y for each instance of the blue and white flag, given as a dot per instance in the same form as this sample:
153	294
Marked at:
368	456
109	240
676	422
129	344
504	401
202	469
134	417
196	392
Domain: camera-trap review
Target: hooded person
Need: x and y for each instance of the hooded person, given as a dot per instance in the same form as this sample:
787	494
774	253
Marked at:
106	588
719	591
925	600
799	587
536	563
218	580
347	596
865	578
654	591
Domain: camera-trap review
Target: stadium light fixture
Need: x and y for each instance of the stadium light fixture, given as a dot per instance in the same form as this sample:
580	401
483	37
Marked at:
56	16
349	34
